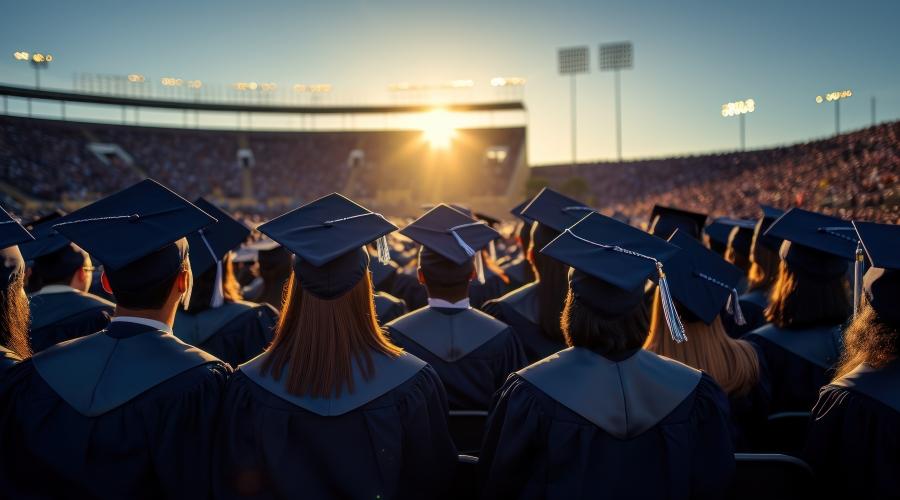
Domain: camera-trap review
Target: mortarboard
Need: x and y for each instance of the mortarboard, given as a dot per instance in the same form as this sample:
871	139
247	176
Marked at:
136	233
327	237
449	235
11	234
517	210
815	243
51	255
665	220
702	281
555	210
612	261
881	283
211	243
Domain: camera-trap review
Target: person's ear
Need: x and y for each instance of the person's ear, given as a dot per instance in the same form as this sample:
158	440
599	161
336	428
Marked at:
183	281
421	276
104	280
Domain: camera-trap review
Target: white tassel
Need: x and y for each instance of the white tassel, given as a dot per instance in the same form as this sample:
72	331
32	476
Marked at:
492	250
734	308
479	267
858	266
218	293
384	250
668	306
462	244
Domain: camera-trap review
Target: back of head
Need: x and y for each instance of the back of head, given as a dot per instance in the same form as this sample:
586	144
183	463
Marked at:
444	278
146	283
204	284
763	272
552	282
317	340
733	364
57	268
802	299
869	339
604	334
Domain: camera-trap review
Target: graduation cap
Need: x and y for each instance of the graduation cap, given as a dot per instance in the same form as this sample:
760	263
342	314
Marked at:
448	235
327	236
702	281
212	243
881	283
51	255
612	261
740	238
769	215
720	229
47	240
54	214
555	210
517	210
136	233
11	234
816	243
665	220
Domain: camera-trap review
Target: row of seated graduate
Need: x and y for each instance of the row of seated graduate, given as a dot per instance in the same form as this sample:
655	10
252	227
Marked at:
619	362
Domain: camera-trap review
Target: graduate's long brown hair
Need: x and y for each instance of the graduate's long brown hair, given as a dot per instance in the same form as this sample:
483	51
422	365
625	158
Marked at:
763	268
800	300
868	340
733	364
317	341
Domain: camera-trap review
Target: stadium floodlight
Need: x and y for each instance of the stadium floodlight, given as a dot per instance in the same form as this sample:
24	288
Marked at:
739	109
37	60
572	61
615	57
836	97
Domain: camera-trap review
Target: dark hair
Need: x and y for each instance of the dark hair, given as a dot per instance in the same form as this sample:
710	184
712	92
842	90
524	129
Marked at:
552	283
868	340
803	300
318	340
14	314
275	268
56	268
151	296
201	294
583	327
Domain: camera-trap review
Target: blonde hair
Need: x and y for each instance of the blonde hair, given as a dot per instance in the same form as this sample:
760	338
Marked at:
733	364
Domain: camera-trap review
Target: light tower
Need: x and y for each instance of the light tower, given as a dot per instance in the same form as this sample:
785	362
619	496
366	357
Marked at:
37	60
615	57
836	97
572	61
740	109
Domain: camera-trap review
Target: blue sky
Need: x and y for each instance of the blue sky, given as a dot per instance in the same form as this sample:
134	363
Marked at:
690	57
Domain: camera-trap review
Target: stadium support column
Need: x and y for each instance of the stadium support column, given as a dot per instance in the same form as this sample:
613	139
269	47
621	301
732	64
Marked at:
743	132
837	117
874	120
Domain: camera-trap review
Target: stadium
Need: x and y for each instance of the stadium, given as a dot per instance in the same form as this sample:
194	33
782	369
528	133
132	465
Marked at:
325	251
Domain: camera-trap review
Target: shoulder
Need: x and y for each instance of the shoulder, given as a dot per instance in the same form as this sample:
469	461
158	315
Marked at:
517	299
386	297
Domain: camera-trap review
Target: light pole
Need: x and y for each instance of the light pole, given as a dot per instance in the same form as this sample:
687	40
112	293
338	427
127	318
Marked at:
37	60
836	97
616	57
740	109
572	61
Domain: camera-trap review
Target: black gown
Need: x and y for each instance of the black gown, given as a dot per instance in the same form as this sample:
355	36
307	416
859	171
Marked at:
675	442
128	412
472	352
391	279
388	307
519	310
519	272
750	411
799	363
388	439
8	359
57	317
493	287
234	332
854	435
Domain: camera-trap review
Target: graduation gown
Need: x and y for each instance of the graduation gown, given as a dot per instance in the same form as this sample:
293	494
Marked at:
8	359
472	352
492	288
854	435
519	272
753	305
124	413
579	425
389	278
388	307
57	317
234	332
519	310
388	439
750	411
799	362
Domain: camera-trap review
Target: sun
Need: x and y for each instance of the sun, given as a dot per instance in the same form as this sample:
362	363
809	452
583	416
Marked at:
437	128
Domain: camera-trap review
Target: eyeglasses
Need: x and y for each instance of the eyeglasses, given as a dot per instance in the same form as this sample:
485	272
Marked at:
89	269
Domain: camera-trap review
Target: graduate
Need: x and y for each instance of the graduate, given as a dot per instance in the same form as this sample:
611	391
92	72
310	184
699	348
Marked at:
61	275
519	269
665	220
472	352
274	269
388	278
13	302
332	409
127	412
388	307
533	310
854	434
216	319
809	304
605	418
703	286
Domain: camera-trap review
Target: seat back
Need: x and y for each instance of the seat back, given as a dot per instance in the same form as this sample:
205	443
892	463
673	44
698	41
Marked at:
771	476
467	430
785	433
466	483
